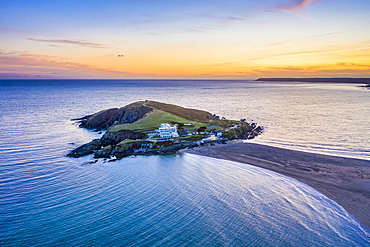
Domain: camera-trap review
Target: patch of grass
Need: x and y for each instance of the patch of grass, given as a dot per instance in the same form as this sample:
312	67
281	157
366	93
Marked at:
127	144
165	144
153	120
127	141
186	113
192	138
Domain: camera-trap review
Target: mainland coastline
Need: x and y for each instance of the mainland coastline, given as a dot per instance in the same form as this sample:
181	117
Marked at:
365	81
343	180
318	80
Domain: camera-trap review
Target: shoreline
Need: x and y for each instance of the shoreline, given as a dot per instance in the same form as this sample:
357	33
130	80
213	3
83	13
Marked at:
344	180
317	80
343	154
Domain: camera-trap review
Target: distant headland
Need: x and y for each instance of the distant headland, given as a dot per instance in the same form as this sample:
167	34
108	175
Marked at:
326	80
150	127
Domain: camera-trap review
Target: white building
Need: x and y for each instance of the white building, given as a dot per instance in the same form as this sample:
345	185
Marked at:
166	131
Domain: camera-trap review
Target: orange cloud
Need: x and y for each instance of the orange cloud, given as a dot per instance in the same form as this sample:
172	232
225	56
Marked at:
35	64
338	69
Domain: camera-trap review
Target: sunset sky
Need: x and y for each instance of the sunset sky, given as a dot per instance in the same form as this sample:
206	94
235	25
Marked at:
193	39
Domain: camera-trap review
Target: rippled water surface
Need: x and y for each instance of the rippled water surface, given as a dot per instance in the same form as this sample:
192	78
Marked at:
185	200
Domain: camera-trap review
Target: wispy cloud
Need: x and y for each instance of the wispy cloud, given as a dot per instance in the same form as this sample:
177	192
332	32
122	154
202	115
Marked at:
223	18
71	42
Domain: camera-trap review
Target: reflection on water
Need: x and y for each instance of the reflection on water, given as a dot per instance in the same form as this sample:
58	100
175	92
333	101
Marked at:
49	199
164	201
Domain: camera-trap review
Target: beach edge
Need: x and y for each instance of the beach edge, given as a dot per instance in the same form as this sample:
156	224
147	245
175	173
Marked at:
343	180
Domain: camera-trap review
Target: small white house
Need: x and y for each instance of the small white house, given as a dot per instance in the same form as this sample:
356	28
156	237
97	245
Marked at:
167	131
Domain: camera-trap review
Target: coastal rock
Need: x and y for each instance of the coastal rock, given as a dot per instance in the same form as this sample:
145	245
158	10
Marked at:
105	152
251	133
109	117
116	137
173	149
86	149
161	151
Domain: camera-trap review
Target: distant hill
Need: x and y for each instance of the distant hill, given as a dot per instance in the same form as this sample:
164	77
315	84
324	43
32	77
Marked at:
329	80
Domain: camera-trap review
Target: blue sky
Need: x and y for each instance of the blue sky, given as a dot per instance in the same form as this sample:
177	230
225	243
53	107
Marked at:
184	39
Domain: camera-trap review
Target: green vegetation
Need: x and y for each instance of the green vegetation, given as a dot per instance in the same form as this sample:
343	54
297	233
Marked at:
192	137
126	145
125	142
165	143
153	120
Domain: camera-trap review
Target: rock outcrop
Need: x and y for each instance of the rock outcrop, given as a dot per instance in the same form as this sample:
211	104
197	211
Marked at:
87	148
118	136
109	117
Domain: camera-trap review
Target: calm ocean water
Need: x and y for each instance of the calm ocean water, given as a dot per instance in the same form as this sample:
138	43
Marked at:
180	200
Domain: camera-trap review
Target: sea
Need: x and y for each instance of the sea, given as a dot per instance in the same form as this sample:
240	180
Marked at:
48	199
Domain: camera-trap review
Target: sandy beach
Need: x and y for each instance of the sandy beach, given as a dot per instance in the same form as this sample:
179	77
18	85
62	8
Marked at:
344	180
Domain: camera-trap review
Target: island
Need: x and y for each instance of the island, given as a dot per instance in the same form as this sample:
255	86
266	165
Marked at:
150	128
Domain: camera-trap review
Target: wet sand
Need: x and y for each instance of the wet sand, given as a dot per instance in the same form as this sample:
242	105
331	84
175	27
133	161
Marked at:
344	180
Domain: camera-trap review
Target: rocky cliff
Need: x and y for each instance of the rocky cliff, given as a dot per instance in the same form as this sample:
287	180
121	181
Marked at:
106	118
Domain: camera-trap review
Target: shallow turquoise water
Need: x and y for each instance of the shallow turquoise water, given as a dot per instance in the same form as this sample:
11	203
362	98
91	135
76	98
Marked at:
184	200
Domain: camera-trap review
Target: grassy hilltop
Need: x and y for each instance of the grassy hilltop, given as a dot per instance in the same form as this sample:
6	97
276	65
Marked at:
148	112
165	113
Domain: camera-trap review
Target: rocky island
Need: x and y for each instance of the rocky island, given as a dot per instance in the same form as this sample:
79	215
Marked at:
150	127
